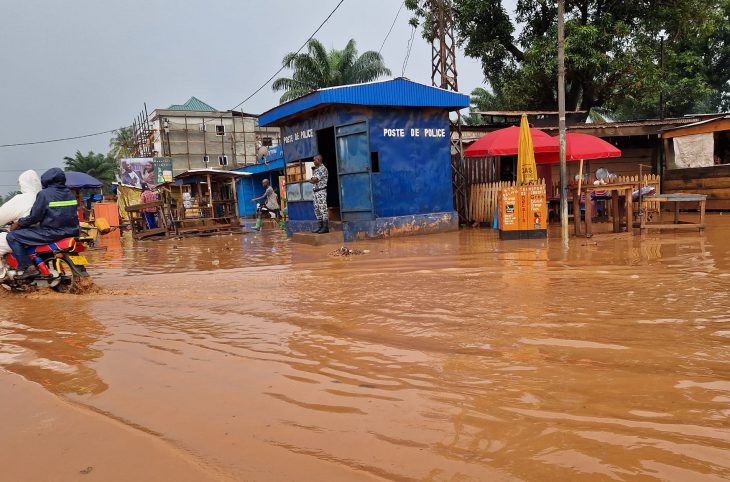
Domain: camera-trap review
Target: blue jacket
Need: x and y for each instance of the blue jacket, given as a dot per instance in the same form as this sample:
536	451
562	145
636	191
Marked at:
54	210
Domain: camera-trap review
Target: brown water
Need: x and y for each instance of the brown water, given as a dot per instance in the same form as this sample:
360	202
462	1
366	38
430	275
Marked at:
451	357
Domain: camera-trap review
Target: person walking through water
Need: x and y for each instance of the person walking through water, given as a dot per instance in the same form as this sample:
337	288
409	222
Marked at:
319	182
271	205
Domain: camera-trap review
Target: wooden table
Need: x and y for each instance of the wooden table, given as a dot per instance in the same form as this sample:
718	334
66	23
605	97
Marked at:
615	190
676	199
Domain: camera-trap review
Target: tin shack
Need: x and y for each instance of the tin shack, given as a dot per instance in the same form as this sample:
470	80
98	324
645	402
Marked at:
271	167
698	160
386	147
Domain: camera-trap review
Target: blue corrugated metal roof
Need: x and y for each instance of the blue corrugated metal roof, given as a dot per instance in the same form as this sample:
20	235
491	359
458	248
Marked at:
275	165
397	93
193	104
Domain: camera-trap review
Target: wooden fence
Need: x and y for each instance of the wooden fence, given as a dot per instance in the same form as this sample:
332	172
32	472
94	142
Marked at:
483	200
483	196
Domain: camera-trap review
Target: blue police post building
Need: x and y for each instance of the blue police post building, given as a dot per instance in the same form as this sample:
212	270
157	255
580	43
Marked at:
386	146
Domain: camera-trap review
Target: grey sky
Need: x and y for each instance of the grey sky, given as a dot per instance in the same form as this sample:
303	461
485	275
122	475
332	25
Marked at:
83	66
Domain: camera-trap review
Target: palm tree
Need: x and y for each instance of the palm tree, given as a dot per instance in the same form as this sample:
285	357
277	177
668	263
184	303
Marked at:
103	167
318	68
122	144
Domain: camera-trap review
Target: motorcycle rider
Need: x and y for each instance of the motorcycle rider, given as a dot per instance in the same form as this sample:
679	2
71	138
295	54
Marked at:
55	213
19	206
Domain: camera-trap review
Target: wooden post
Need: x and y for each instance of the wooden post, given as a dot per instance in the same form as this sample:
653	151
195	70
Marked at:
630	209
676	212
235	196
211	206
702	216
576	212
200	199
615	207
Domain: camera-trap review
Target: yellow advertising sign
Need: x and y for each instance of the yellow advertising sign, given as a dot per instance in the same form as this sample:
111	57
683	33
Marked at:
523	212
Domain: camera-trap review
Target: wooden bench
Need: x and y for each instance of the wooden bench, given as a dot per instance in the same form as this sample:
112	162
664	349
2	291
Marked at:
676	199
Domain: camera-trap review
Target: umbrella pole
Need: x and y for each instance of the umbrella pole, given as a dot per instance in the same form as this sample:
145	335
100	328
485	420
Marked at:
576	213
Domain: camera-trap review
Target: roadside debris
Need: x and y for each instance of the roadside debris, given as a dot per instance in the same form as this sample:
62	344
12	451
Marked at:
345	251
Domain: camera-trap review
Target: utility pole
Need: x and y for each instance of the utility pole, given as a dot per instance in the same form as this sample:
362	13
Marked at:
561	127
661	70
443	75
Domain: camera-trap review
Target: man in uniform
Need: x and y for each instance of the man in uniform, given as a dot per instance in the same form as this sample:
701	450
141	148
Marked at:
319	182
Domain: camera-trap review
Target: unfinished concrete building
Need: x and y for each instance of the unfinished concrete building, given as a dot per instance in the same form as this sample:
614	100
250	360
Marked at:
195	135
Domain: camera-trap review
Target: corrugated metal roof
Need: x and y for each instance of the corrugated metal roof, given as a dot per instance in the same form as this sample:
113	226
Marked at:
396	93
699	123
194	104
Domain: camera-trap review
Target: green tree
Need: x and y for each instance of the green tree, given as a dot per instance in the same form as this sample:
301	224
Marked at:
481	101
121	144
612	53
318	68
101	166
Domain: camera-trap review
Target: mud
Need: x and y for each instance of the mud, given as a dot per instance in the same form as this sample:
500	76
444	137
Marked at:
450	357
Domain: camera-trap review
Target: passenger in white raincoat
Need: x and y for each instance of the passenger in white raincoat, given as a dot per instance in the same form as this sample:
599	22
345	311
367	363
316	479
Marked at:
19	206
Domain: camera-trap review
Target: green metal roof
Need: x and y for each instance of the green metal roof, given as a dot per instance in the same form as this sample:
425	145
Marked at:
193	103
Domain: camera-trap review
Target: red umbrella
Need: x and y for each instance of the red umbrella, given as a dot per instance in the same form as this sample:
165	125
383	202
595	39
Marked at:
503	142
580	147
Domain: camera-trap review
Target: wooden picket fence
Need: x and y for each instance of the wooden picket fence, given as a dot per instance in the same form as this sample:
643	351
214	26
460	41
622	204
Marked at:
483	196
483	200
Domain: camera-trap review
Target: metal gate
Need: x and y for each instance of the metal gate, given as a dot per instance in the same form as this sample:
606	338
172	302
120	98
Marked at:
353	170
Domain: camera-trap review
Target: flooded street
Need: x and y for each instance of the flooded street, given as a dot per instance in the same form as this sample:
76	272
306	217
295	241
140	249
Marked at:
450	357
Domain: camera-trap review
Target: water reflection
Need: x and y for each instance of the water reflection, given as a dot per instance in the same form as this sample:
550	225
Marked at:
51	342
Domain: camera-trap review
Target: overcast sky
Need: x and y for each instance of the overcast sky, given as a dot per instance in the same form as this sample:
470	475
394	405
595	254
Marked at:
83	66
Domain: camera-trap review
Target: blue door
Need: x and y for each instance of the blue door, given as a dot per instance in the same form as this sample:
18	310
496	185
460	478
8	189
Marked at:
353	170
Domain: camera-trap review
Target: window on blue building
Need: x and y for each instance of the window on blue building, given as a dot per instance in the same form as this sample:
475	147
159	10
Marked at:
374	162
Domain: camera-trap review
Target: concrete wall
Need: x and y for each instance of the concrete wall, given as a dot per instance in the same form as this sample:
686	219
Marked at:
187	144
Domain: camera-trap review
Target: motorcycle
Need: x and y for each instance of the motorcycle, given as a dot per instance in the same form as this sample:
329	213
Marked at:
61	266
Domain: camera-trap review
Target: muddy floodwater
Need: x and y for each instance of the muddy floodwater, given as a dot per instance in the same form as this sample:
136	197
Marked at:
453	357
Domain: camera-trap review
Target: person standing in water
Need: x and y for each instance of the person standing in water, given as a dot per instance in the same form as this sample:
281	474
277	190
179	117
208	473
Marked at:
149	196
319	182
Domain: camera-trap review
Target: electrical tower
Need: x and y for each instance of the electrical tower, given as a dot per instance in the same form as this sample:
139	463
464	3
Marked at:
443	75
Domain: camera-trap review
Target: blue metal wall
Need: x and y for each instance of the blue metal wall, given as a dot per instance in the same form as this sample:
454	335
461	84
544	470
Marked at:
414	153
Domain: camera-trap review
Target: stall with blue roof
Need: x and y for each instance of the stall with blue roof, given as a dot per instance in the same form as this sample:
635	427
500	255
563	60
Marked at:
387	149
269	167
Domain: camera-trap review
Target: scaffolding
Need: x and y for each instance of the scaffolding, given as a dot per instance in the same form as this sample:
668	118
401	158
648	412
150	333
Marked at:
444	75
143	135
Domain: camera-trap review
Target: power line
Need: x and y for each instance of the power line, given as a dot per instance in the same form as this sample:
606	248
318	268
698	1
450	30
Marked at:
408	52
283	66
47	141
60	139
391	26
